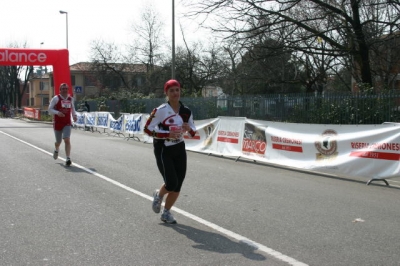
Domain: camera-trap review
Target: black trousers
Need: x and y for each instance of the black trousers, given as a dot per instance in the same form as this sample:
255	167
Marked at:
171	162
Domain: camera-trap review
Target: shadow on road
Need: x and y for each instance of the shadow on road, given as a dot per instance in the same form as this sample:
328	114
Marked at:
216	243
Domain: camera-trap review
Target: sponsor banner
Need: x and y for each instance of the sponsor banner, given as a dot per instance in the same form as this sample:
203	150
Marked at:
59	59
371	151
90	119
32	113
205	139
254	143
102	119
117	125
133	123
289	143
230	135
80	121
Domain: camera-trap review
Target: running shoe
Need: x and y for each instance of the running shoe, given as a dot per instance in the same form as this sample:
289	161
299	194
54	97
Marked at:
68	162
55	155
156	201
167	217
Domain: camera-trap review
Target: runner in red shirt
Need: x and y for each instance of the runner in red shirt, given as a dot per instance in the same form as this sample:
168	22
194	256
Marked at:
62	107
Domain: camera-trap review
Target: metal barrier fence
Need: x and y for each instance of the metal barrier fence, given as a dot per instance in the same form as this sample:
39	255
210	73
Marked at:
328	108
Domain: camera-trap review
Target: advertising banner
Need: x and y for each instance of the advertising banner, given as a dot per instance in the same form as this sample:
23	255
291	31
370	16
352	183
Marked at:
32	113
205	138
133	123
80	122
371	151
103	119
90	119
117	125
230	135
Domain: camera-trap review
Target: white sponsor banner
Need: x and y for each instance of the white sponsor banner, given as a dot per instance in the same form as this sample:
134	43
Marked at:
103	119
80	120
230	135
205	138
133	123
116	125
90	119
364	150
371	151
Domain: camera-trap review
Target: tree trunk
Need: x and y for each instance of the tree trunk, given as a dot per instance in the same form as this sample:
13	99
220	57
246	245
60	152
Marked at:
362	49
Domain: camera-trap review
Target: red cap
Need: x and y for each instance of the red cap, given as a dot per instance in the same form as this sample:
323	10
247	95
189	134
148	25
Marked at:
171	83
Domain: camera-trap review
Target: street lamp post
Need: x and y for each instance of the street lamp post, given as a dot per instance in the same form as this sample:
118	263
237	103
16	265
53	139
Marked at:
40	83
66	23
173	40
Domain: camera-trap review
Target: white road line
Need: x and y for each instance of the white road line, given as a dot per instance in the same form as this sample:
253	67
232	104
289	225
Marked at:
240	238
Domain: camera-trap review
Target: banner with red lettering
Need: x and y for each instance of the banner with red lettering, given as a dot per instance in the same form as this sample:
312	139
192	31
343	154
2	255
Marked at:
371	151
32	113
205	139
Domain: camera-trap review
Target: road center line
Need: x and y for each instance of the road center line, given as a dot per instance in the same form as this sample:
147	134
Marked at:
240	238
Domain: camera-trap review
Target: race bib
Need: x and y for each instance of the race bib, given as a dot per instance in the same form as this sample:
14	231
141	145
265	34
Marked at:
66	104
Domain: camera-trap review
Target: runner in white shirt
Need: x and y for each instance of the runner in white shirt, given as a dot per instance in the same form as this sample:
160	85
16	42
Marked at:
167	124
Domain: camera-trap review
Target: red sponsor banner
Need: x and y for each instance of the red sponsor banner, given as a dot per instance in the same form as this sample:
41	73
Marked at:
229	140
40	57
287	147
376	155
32	113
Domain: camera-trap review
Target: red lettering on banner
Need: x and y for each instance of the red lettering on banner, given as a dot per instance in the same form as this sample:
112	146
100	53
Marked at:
32	113
275	139
228	133
229	140
292	141
286	140
376	155
287	148
376	146
233	134
254	146
359	145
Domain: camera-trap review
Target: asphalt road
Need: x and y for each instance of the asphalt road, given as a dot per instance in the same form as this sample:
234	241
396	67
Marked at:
98	212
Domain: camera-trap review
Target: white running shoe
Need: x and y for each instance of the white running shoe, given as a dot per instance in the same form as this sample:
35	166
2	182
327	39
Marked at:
156	201
167	217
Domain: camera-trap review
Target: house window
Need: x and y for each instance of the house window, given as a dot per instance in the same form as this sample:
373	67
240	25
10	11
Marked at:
43	86
139	81
72	80
90	81
46	101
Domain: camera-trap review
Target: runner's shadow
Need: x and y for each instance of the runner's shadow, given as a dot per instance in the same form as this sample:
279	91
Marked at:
75	169
217	243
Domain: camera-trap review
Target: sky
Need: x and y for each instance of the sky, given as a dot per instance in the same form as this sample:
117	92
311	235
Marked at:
39	21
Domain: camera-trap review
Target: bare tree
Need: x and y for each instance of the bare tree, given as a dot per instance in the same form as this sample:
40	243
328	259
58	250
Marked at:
345	27
110	65
197	67
148	37
233	57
